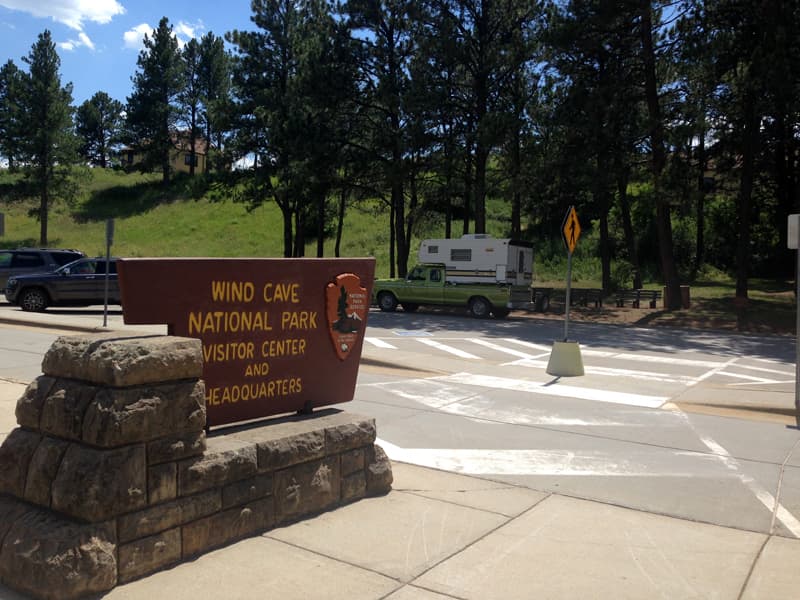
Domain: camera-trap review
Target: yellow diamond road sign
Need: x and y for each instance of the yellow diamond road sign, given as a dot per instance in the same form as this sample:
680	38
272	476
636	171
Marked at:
571	229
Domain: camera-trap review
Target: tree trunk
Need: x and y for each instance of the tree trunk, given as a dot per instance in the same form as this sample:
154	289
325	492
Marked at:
448	207
299	234
627	227
658	161
467	184
481	91
412	206
399	201
448	199
601	200
340	222
208	144
193	141
44	204
744	204
286	211
699	246
516	195
392	218
481	158
321	225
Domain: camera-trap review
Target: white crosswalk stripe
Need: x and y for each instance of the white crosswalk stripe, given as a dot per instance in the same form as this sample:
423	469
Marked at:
566	391
511	351
535	356
379	343
449	349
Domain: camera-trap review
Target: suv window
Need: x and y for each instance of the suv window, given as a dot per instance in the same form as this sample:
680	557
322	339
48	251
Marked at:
91	266
63	258
26	260
20	261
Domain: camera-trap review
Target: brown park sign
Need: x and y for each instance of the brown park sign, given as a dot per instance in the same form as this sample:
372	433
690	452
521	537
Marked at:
279	334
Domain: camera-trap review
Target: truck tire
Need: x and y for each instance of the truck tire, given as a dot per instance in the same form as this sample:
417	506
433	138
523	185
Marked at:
479	307
410	306
387	302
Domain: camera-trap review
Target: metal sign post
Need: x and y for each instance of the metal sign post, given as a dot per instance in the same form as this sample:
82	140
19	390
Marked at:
570	232
793	242
565	359
109	241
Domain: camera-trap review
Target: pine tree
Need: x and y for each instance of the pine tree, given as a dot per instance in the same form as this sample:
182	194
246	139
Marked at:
487	46
98	123
215	87
292	81
11	81
152	113
385	31
48	146
190	98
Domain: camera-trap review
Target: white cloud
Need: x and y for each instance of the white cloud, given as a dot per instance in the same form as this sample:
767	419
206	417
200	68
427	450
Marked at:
83	40
133	37
183	32
71	13
186	31
86	41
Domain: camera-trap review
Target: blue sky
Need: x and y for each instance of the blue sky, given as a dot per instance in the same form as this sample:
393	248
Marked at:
99	41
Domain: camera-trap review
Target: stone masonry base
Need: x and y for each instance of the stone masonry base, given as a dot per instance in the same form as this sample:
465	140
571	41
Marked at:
110	475
245	483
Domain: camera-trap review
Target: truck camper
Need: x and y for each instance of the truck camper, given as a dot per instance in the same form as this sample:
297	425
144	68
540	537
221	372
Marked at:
481	258
484	274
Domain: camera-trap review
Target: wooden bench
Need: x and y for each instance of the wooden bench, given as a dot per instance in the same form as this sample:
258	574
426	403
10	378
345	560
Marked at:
636	297
586	296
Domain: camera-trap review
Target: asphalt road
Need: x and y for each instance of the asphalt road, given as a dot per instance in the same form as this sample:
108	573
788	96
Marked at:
698	425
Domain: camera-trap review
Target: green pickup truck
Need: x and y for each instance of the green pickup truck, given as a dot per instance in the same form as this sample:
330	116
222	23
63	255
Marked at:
427	284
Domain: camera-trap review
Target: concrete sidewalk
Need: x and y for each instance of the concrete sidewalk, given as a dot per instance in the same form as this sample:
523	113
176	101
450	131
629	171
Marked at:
440	536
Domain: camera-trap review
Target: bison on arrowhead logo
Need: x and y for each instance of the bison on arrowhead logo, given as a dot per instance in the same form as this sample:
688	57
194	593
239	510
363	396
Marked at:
347	305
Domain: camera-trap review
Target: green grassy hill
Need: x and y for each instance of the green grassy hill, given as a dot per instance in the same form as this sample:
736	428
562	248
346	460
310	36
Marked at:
188	218
177	221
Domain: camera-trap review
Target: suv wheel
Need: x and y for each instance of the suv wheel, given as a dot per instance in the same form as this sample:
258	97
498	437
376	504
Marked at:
33	300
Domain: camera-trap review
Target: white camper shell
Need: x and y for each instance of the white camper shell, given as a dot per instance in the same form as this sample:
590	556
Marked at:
480	258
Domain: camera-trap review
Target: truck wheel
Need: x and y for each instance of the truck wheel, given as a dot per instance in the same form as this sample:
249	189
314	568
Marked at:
479	307
387	302
500	313
410	306
33	300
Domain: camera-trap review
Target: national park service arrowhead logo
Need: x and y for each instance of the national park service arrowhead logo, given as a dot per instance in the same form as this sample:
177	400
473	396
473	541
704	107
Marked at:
346	305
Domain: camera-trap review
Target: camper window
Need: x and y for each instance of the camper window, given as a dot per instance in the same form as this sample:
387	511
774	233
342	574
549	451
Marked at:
461	254
433	249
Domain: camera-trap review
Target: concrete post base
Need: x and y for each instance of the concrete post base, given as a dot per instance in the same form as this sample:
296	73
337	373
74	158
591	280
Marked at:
565	360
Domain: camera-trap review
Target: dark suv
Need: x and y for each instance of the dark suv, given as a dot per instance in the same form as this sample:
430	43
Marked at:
33	260
79	283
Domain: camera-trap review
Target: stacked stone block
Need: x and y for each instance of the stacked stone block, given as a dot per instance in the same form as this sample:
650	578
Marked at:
110	475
